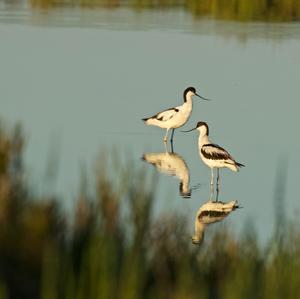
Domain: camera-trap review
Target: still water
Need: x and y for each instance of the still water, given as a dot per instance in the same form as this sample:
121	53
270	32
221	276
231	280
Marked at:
80	80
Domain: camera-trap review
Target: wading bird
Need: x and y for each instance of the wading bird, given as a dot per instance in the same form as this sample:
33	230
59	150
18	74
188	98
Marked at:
176	117
212	154
211	212
174	165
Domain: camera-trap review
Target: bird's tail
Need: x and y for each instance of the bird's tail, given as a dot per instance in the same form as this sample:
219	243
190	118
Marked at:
150	121
239	164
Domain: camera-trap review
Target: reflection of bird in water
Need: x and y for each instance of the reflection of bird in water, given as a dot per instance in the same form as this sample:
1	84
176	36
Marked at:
176	117
211	212
174	165
212	154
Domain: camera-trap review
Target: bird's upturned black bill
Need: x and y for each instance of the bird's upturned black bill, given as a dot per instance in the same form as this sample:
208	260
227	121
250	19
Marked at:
189	130
202	97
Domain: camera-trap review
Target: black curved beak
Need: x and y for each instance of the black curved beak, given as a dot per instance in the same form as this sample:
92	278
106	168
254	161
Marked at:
196	94
189	130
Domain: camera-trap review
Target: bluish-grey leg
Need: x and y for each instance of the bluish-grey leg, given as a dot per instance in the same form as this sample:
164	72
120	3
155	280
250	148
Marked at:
172	135
218	181
166	136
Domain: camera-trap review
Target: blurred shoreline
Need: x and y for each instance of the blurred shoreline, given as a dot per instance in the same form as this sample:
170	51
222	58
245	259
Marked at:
241	10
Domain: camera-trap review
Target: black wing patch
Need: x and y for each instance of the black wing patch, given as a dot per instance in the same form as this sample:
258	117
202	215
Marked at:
215	152
212	214
166	114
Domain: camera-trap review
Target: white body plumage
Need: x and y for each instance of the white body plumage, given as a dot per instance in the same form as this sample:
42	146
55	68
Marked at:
174	165
211	212
173	118
212	154
176	117
208	151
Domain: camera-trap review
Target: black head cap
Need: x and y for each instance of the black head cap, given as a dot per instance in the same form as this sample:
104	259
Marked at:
197	240
182	193
192	89
202	123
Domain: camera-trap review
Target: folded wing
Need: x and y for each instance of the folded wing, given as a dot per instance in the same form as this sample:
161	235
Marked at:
215	152
166	114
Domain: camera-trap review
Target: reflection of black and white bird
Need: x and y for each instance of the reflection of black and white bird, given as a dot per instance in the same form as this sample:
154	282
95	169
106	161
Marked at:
176	117
171	164
211	212
212	154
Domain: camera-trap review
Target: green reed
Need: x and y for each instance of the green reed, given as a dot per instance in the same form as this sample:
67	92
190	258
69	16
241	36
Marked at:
117	248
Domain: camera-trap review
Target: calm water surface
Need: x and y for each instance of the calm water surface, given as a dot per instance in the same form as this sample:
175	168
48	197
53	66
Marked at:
81	80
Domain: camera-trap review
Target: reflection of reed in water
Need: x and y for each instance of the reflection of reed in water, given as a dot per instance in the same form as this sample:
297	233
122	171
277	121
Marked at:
239	10
211	212
107	255
171	164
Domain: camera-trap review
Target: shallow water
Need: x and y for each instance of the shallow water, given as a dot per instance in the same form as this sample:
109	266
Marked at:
80	80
